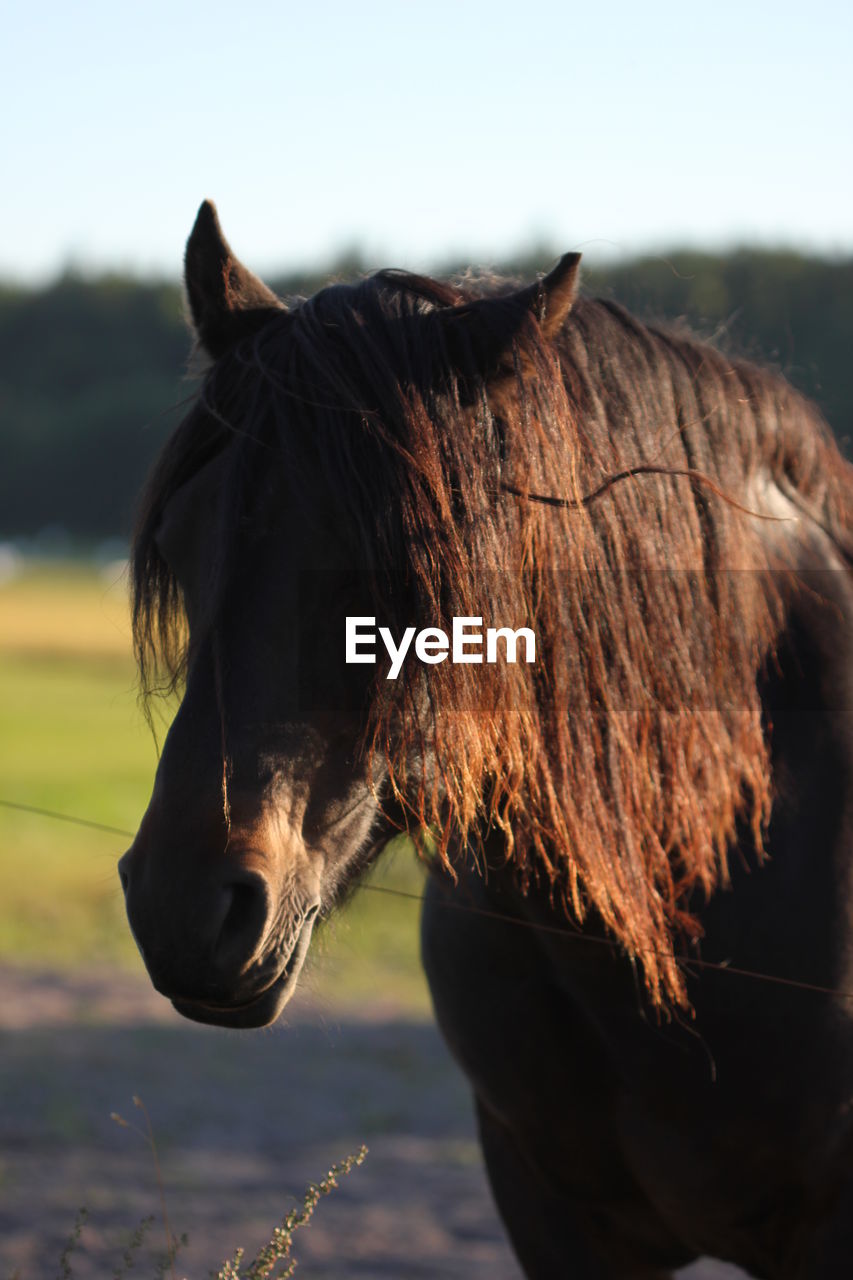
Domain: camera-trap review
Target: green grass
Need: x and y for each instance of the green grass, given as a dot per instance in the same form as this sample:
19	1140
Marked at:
73	739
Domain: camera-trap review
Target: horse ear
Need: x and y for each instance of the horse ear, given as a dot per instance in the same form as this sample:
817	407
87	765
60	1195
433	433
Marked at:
552	298
483	331
227	302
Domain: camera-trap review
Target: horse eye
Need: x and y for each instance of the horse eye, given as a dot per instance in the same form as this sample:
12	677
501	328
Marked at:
166	548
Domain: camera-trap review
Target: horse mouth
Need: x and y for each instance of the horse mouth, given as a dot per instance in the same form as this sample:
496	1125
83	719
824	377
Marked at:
264	1007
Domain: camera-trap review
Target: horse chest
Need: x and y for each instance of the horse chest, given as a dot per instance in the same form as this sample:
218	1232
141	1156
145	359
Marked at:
718	1128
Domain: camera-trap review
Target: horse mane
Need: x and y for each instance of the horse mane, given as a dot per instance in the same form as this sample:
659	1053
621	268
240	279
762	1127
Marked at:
622	765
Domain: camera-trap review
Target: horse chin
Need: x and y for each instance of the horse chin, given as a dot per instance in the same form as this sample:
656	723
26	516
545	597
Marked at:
263	1008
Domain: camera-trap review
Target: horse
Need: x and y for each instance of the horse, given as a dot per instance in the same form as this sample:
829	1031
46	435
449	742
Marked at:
637	926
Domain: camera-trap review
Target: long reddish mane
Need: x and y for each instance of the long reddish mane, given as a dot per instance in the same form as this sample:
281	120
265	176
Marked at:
622	764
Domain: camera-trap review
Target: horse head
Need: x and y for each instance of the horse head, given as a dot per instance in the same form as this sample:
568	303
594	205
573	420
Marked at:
269	519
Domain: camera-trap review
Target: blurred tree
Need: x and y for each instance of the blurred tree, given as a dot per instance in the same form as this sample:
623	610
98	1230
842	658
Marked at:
92	373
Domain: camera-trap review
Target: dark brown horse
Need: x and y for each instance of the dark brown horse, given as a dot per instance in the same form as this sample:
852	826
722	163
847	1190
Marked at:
662	801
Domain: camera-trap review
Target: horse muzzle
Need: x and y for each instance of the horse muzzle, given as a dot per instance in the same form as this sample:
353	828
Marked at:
263	1008
225	941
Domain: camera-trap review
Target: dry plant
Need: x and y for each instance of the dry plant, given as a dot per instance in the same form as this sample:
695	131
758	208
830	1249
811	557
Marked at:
274	1261
263	1266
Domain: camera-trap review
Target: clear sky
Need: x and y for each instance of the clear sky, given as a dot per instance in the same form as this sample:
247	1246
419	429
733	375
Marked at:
420	131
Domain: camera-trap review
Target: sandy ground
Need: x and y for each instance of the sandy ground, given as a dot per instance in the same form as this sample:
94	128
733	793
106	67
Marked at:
242	1122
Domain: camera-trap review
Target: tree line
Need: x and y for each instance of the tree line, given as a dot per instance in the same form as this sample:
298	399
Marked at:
93	371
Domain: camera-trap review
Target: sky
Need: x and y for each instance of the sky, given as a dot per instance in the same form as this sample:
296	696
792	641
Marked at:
420	132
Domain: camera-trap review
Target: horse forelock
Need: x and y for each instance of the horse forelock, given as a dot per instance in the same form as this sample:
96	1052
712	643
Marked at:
619	765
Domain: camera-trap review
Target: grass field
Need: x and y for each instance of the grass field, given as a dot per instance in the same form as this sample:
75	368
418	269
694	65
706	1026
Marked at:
73	739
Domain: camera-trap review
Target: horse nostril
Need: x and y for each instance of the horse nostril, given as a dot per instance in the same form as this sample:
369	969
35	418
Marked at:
244	922
123	873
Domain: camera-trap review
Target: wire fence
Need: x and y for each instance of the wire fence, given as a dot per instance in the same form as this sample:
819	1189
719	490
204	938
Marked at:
692	962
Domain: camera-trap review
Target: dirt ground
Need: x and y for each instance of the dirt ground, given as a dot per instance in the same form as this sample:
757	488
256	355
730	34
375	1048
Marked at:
242	1123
